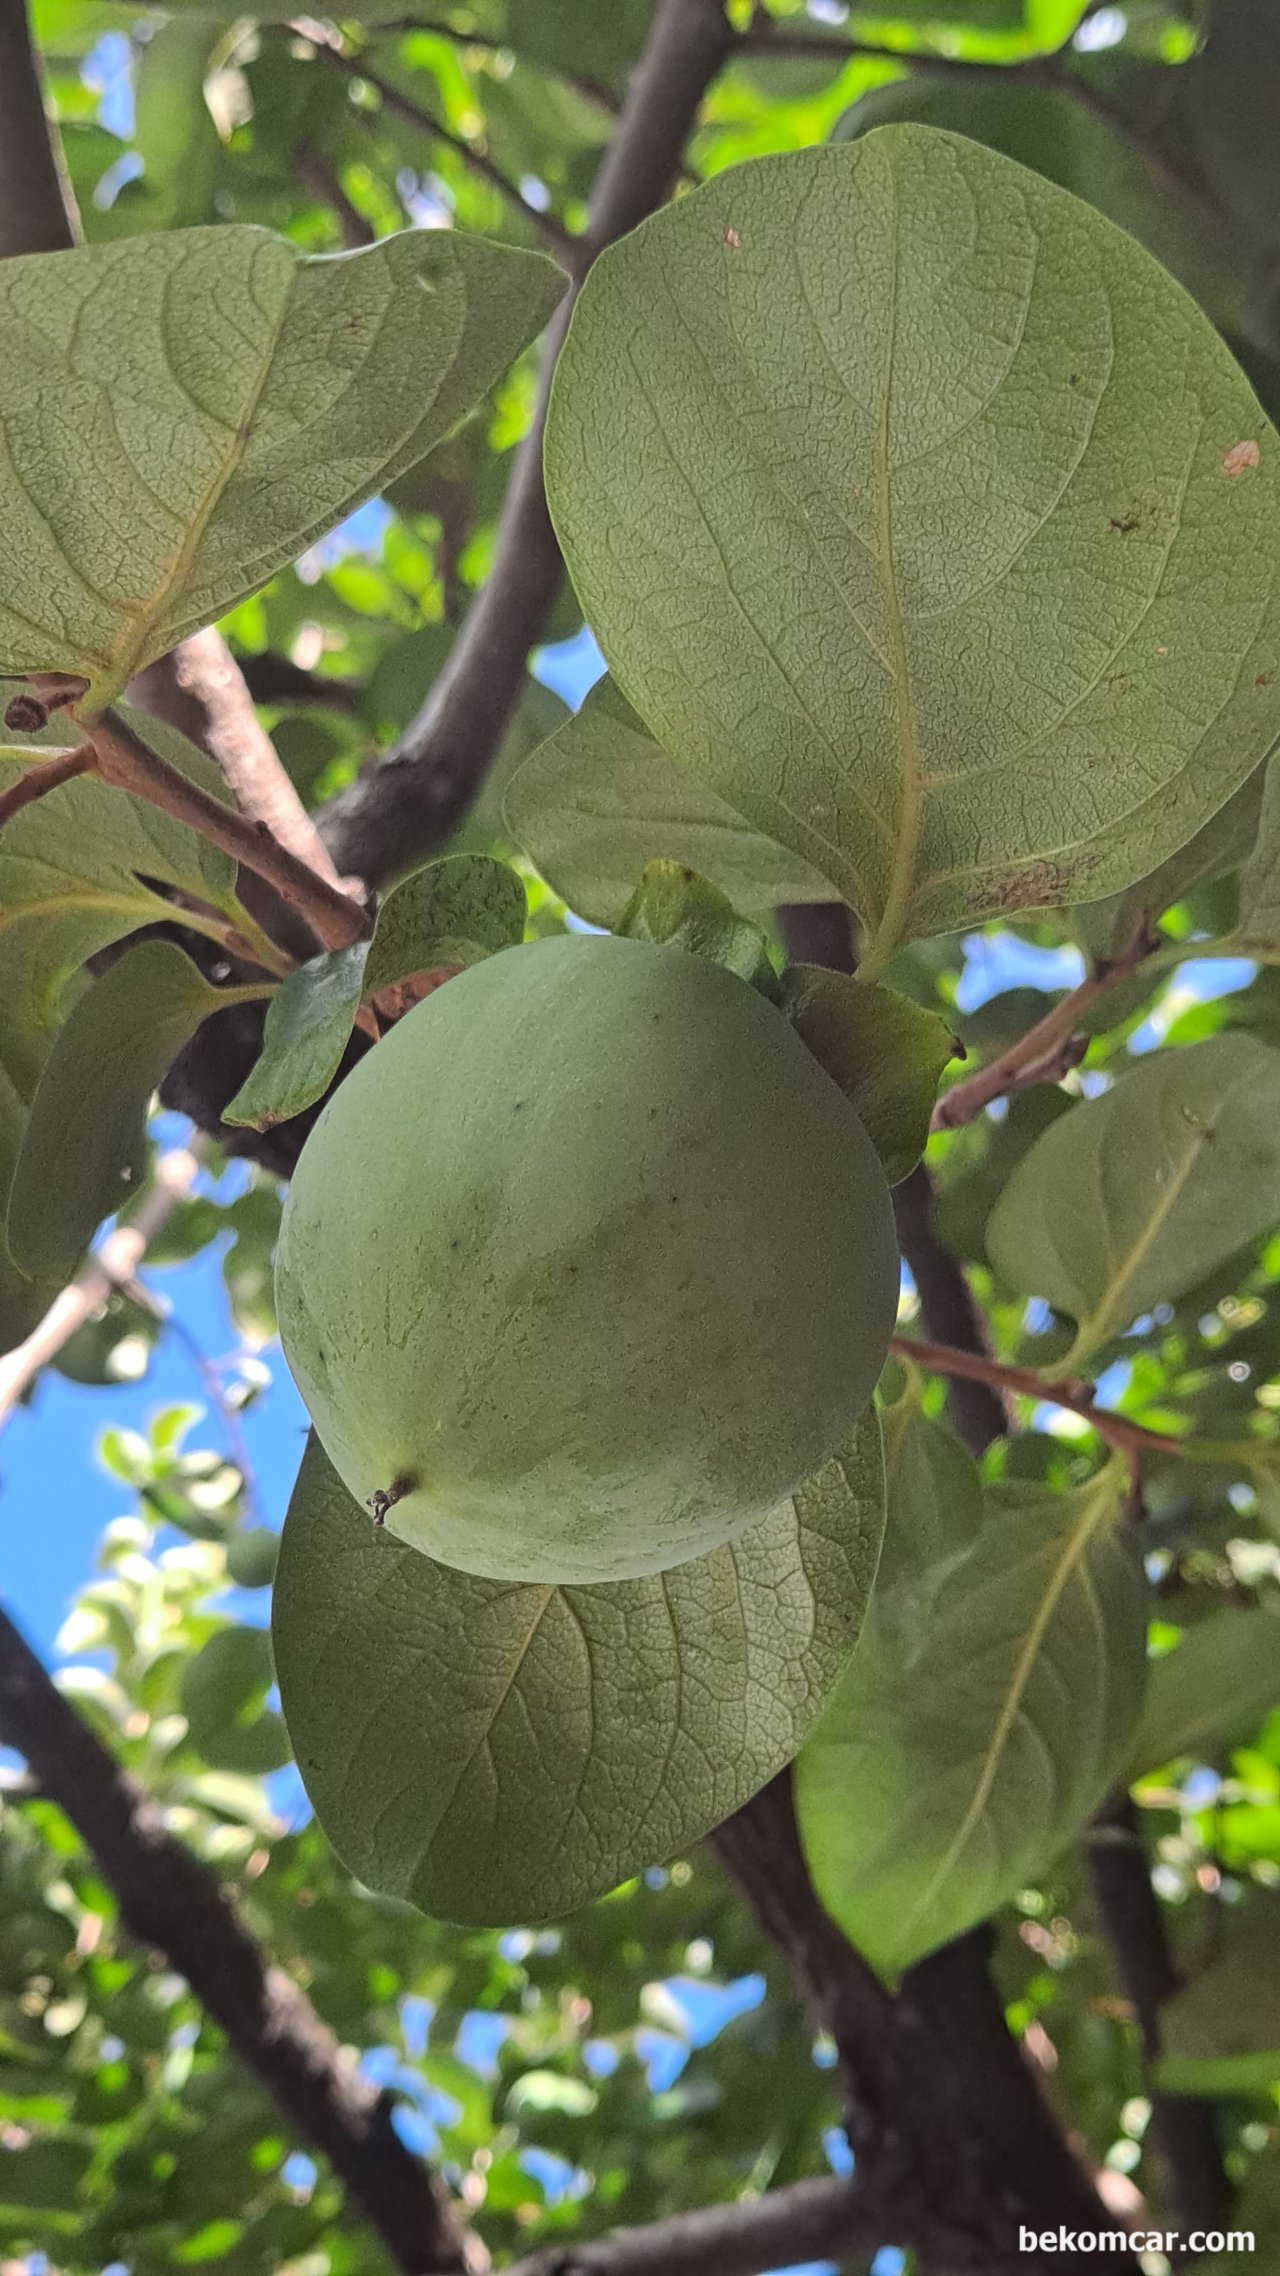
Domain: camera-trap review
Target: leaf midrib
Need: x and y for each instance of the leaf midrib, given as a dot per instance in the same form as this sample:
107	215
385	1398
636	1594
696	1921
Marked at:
910	772
1100	1499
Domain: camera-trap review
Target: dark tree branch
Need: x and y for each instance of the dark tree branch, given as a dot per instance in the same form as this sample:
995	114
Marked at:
811	2220
1185	2127
37	209
170	1901
944	2112
402	809
272	678
544	225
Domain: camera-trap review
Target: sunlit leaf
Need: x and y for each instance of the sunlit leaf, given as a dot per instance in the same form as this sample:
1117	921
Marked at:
968	644
963	1749
1130	1199
499	1753
186	411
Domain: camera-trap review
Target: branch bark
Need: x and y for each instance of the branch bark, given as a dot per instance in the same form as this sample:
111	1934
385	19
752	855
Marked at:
1025	1383
126	762
1184	2126
810	2220
404	807
170	1901
37	208
1048	1050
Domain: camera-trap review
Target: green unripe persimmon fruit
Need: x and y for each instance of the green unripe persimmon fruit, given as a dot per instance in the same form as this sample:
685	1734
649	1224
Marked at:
586	1266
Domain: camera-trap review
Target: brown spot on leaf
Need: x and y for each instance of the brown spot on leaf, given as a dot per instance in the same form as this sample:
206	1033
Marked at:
1124	525
1263	680
733	240
1240	456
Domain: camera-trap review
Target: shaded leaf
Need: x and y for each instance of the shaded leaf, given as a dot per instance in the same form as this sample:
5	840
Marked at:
85	1142
600	798
886	1054
498	1753
78	870
264	393
934	1506
1258	930
969	648
223	1694
678	909
1105	927
453	912
1211	1691
1131	1198
960	1752
1221	2034
308	1027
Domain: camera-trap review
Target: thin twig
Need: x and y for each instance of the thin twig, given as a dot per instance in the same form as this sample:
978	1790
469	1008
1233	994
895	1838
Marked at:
1048	1050
323	183
1026	1383
556	239
42	776
128	763
403	808
171	1902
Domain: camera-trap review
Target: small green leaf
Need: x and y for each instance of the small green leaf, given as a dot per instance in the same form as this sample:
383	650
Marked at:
453	912
886	1054
187	410
223	1696
78	870
496	1753
961	1750
1130	1199
1211	1691
1221	2035
85	1141
925	519
600	798
308	1027
678	909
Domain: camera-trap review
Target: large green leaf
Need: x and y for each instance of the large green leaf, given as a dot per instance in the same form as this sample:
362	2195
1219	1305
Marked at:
962	1749
1227	838
1056	132
1221	2035
934	1507
1130	1199
926	520
1213	1689
84	1146
184	412
78	870
499	1753
600	799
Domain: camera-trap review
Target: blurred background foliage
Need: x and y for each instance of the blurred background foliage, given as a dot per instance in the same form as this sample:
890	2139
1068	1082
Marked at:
651	2053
